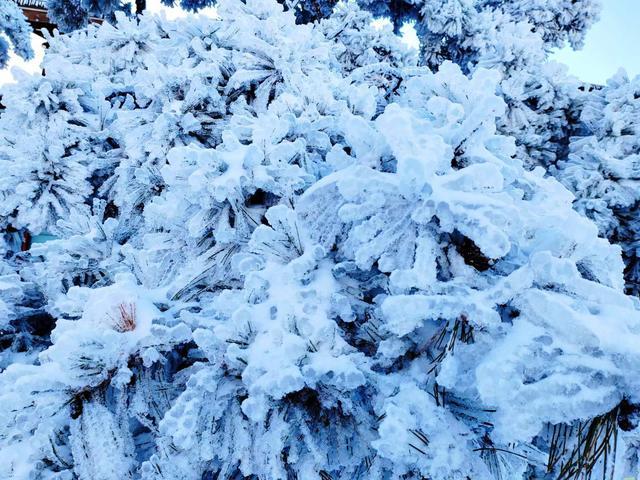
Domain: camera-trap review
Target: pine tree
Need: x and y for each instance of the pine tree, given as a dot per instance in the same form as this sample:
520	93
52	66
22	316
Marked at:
286	251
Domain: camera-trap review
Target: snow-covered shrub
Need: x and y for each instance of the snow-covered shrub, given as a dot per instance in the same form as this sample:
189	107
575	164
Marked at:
284	254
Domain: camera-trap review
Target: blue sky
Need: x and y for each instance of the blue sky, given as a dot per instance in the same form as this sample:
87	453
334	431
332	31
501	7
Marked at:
611	43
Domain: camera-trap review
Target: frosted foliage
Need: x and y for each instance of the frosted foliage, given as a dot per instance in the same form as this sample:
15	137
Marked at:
468	31
15	32
66	15
24	326
55	148
411	220
603	166
558	20
515	38
542	112
361	43
285	251
70	15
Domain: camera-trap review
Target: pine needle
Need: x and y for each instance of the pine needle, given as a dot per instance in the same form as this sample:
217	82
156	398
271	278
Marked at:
125	320
594	450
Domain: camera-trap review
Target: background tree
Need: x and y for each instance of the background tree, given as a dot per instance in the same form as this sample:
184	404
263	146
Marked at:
14	32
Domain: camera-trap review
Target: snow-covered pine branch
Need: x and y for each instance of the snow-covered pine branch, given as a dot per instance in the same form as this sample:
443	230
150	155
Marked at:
282	253
603	167
15	32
